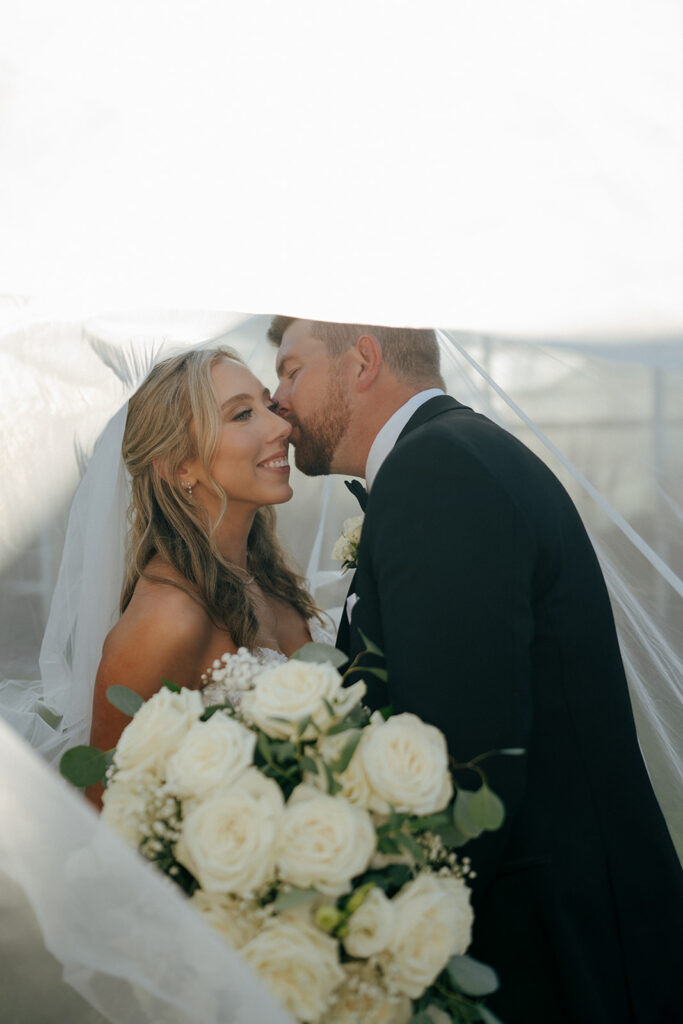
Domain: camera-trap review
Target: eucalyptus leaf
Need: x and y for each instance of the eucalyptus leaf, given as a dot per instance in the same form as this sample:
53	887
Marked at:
342	726
84	766
428	822
213	708
385	844
471	976
512	752
452	837
413	847
371	647
293	898
282	750
333	786
170	685
263	745
303	725
342	762
486	809
319	654
124	699
308	764
461	817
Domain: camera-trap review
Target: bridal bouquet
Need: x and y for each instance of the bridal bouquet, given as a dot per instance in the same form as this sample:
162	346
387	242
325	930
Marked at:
317	838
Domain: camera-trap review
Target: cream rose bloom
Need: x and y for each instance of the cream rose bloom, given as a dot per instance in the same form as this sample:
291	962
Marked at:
433	923
232	917
124	808
285	694
323	841
228	840
371	926
363	1000
406	764
298	963
157	730
212	754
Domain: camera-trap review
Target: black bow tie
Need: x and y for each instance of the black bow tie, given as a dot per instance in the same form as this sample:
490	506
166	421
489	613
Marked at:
358	491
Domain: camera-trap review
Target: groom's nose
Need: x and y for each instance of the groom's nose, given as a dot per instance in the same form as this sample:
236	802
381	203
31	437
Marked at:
284	406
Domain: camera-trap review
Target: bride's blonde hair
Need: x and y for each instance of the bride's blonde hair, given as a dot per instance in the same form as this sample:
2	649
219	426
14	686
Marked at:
173	417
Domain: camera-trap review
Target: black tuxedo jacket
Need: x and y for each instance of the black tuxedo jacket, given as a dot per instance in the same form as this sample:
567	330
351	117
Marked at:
477	579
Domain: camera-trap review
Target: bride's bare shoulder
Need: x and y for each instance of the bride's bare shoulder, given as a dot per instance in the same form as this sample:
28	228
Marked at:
164	627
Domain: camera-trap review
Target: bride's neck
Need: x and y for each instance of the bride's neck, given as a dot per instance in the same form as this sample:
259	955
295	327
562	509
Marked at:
233	533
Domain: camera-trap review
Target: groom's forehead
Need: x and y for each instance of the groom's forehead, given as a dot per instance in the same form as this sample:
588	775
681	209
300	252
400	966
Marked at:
297	343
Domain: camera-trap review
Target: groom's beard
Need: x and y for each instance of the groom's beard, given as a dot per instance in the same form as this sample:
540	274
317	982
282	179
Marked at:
316	439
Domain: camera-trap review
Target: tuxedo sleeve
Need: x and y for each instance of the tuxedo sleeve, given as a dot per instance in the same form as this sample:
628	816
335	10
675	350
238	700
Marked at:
452	558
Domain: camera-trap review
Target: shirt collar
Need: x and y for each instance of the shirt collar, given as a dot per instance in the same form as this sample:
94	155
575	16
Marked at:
388	435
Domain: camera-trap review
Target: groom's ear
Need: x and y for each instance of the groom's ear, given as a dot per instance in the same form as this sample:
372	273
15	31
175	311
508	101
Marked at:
368	352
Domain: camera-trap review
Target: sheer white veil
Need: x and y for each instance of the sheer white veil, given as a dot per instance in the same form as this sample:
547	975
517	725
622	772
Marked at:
562	400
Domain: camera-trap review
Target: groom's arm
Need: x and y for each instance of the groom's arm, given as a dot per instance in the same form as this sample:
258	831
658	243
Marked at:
452	557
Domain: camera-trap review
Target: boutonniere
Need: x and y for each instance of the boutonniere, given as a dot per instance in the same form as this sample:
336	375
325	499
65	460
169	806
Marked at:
345	549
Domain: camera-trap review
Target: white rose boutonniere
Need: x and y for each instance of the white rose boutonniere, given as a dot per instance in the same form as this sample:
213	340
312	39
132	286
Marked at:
345	549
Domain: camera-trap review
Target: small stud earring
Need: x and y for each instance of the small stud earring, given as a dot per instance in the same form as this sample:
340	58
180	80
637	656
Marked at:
187	487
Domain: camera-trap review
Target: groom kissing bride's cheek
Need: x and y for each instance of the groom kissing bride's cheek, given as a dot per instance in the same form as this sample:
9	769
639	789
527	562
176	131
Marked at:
477	579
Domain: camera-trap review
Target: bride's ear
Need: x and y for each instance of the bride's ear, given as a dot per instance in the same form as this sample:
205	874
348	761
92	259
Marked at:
183	476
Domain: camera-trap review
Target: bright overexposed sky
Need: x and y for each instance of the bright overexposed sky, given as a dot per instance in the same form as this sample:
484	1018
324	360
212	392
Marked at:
495	166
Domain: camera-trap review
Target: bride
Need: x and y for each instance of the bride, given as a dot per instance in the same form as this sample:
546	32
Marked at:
205	574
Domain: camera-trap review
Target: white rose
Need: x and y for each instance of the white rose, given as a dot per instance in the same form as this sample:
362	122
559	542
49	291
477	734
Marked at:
211	754
298	963
323	841
124	808
227	841
406	763
371	926
232	917
287	693
433	923
346	547
156	730
364	998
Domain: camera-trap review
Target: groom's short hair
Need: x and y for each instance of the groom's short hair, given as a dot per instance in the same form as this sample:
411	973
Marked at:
412	355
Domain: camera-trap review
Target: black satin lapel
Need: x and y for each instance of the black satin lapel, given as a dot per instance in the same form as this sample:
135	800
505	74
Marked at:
434	407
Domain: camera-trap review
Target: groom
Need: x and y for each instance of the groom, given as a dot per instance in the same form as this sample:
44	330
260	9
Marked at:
477	579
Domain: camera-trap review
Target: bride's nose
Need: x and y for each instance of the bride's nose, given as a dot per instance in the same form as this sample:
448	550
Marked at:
280	428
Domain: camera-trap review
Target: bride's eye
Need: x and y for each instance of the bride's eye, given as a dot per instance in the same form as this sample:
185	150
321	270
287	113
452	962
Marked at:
244	415
273	406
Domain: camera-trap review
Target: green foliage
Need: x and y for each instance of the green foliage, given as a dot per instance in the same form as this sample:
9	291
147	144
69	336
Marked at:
486	809
462	821
285	900
471	976
370	647
124	699
319	654
213	708
170	686
342	762
85	766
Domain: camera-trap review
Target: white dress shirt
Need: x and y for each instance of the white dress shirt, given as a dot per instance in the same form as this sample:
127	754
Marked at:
388	435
